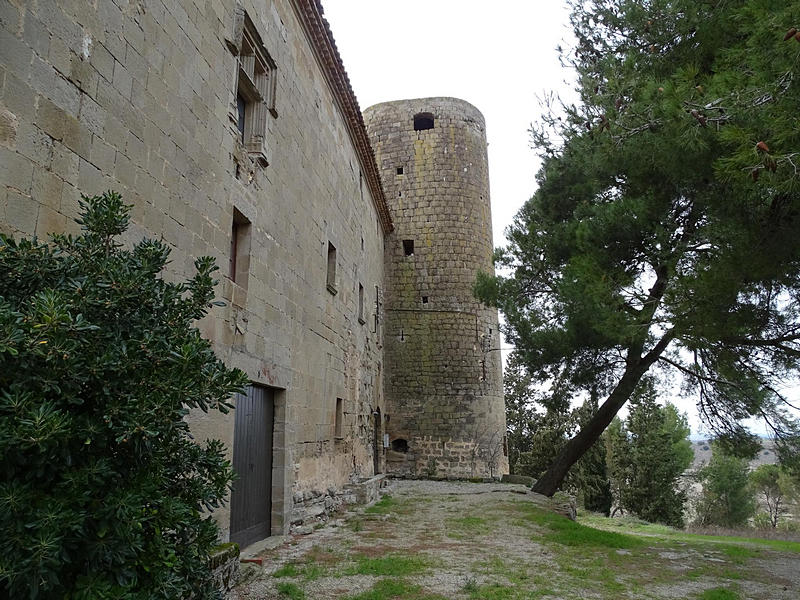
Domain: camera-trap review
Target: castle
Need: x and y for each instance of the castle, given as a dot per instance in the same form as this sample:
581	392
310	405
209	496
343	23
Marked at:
348	244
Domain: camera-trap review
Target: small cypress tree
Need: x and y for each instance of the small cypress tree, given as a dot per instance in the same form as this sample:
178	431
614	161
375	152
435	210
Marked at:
659	452
592	470
102	488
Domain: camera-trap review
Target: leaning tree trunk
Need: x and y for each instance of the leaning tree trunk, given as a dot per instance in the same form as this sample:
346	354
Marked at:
636	366
549	483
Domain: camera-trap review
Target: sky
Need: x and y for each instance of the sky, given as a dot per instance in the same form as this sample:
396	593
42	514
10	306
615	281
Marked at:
497	56
500	57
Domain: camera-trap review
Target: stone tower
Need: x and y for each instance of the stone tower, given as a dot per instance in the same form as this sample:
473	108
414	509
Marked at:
443	383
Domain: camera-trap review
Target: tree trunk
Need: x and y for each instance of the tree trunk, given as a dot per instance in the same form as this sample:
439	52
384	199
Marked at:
636	366
549	483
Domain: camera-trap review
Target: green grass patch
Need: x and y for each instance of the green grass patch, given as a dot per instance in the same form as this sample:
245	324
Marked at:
780	545
635	526
391	565
699	572
739	553
466	527
719	594
291	591
493	591
732	575
512	569
356	525
314	572
395	589
287	570
569	533
383	506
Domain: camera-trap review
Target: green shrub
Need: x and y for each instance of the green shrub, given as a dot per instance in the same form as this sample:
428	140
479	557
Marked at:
102	488
762	520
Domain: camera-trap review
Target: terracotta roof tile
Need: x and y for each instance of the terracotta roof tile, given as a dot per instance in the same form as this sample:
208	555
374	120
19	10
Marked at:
310	13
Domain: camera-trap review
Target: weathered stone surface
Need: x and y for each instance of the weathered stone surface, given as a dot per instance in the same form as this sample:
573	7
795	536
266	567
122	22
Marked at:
522	479
224	565
444	388
139	97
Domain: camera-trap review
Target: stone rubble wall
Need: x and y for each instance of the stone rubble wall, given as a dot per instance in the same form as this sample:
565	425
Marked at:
314	507
224	565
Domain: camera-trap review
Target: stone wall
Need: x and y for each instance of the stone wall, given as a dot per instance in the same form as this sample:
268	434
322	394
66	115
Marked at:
139	97
312	508
443	374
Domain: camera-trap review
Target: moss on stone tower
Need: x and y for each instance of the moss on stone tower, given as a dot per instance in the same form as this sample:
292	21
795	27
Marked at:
443	385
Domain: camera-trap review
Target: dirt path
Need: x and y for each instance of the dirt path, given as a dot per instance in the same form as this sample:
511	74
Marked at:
450	540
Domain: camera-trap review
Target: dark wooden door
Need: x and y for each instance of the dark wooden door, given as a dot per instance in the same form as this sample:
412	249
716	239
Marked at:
251	498
377	442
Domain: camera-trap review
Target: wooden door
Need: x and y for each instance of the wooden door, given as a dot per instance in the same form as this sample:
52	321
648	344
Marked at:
377	442
251	498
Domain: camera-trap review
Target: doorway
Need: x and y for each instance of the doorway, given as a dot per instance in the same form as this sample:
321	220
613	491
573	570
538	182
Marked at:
376	441
251	497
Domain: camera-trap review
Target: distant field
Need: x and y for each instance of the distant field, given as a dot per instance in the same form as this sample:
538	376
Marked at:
702	454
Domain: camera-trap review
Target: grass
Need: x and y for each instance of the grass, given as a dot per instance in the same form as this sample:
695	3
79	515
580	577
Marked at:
494	591
599	557
291	591
570	533
382	507
470	585
390	589
739	553
356	525
781	545
395	565
308	571
287	570
467	527
635	526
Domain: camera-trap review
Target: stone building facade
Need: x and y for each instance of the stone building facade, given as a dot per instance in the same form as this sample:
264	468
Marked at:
231	128
444	387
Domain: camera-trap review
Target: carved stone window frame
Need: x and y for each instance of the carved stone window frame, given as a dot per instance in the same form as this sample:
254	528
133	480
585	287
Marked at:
255	81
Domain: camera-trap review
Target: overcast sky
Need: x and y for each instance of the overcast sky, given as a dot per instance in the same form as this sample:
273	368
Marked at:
501	57
498	56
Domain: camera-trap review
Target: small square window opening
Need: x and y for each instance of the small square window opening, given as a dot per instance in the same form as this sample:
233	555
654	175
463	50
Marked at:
423	121
399	170
408	247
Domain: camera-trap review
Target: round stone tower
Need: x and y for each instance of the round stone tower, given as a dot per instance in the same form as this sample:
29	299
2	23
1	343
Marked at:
443	385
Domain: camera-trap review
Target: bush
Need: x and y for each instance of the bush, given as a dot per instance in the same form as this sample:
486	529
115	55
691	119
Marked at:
726	499
762	520
102	488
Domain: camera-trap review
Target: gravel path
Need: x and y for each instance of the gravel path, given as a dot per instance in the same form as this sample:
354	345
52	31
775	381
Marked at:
436	540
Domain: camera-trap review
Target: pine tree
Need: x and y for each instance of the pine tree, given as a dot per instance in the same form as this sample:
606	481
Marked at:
592	478
663	234
617	463
520	411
